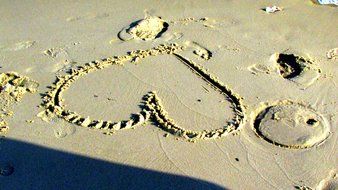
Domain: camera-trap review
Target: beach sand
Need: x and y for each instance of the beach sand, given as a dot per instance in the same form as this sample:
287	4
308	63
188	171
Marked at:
168	95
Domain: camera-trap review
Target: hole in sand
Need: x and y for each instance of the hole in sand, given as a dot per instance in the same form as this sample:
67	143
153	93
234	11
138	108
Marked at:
311	121
290	65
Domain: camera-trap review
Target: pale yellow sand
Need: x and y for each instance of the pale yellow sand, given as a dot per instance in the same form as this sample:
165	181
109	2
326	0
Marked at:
244	99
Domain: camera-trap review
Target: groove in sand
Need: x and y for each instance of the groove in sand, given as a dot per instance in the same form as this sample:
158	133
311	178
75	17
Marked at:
153	108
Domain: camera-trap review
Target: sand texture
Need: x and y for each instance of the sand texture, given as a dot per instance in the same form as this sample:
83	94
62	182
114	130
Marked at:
168	95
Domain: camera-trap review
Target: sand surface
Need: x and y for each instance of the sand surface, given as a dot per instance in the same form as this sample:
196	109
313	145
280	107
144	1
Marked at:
168	95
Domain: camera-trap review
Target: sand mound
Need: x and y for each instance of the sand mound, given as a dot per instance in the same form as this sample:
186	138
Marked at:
149	28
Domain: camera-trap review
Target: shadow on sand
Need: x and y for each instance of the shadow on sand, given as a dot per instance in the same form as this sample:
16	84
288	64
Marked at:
37	167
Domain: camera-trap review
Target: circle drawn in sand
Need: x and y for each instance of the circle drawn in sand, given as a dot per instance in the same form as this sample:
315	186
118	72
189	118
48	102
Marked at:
291	125
149	28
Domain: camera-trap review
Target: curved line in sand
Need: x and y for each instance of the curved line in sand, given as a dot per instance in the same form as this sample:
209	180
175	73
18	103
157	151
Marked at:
153	110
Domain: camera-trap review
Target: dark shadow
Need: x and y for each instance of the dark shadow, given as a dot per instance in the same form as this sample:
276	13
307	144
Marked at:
290	65
165	28
37	167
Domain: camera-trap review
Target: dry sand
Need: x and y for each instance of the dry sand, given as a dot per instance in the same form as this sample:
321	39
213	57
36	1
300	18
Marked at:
168	95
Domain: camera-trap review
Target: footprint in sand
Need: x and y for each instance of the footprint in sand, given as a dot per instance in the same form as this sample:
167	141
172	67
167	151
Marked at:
199	50
56	52
300	70
328	183
205	21
87	16
290	125
62	131
17	46
154	27
60	52
332	54
12	89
